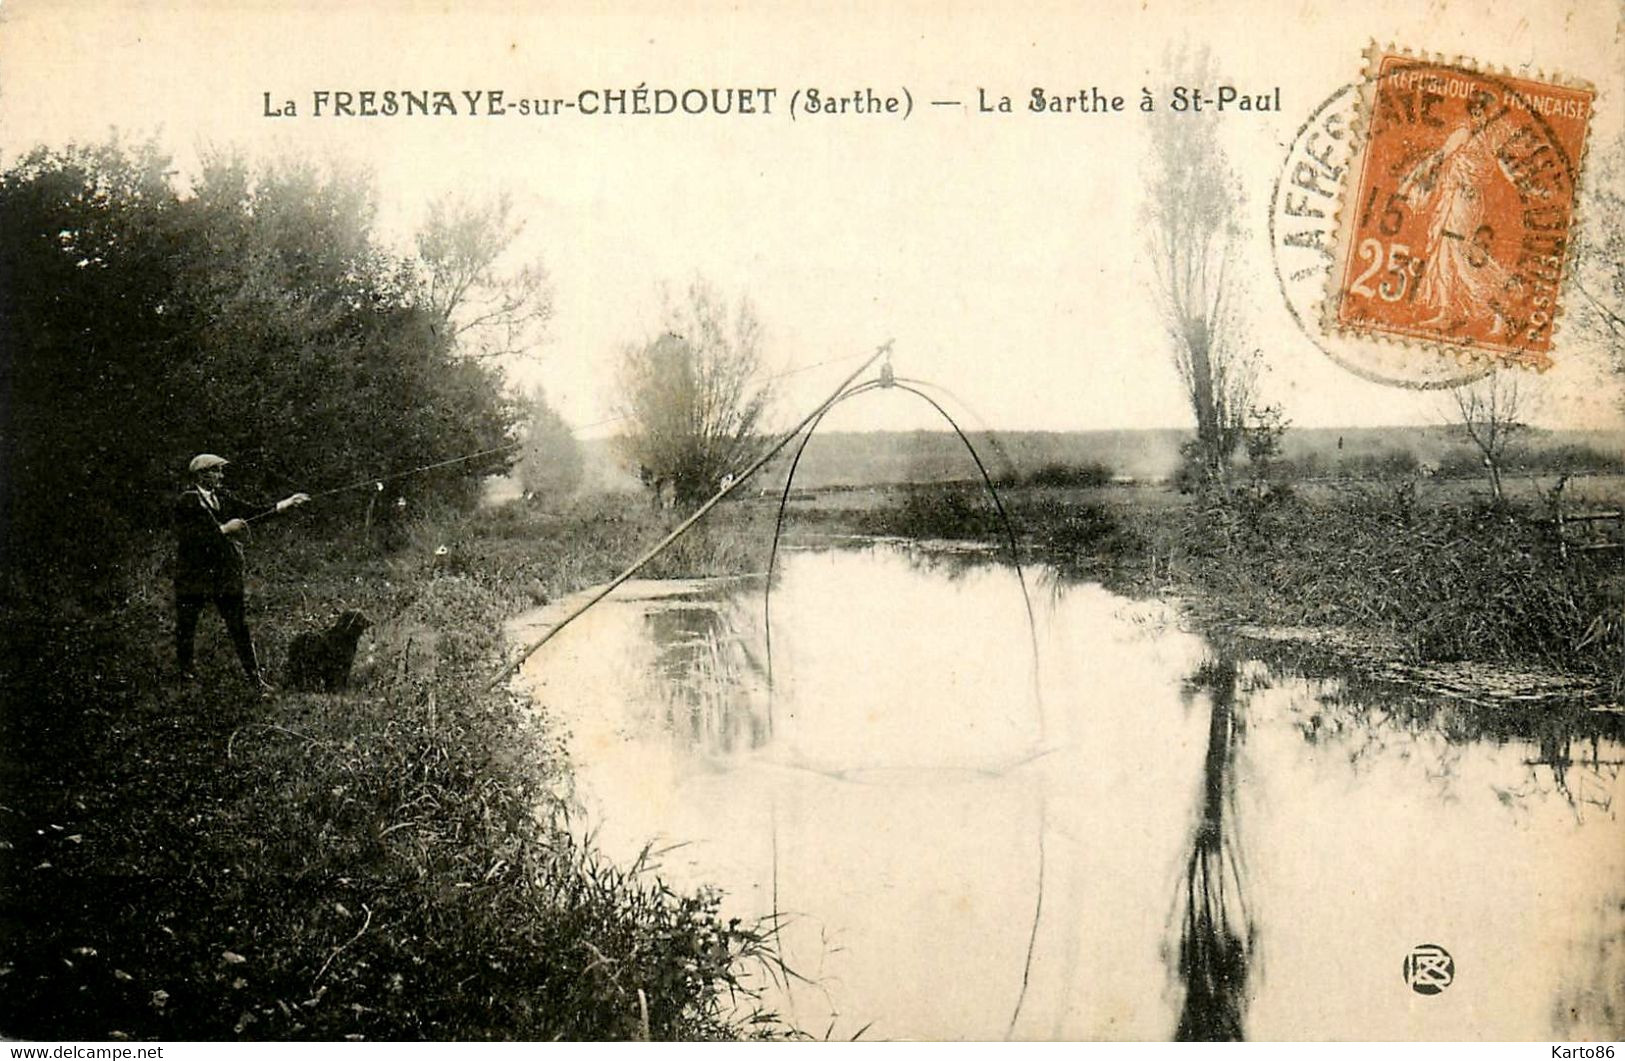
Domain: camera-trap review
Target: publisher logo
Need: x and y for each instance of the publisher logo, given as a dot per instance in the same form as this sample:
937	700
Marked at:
1429	969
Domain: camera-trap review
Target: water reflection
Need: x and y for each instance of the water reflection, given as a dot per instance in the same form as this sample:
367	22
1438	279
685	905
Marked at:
703	664
1565	745
1584	779
1216	928
948	863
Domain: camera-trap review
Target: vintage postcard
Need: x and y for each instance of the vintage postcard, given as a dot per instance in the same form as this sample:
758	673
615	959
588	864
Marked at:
917	521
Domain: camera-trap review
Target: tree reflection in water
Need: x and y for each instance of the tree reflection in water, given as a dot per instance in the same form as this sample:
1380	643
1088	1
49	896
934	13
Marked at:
1590	786
1216	928
711	687
1570	751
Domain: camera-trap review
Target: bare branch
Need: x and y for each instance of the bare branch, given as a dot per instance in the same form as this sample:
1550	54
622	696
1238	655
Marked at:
1489	412
486	310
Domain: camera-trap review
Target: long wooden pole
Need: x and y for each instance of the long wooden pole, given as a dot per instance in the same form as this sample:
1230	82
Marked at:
683	527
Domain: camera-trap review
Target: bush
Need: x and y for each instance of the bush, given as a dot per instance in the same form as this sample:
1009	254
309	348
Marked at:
1460	463
1382	465
1060	473
953	511
1075	537
1569	458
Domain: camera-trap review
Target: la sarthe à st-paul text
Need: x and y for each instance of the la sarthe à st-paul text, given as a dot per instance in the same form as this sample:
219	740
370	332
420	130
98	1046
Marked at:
646	100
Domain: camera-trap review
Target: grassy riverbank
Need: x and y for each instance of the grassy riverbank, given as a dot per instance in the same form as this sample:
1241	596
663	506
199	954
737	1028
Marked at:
192	862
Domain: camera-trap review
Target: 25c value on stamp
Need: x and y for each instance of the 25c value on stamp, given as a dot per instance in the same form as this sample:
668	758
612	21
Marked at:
1423	219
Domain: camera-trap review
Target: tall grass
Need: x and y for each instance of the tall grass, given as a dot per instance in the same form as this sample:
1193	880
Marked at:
1447	582
189	862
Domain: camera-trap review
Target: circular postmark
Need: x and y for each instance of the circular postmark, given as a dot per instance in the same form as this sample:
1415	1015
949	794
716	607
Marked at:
1303	230
1429	969
1419	225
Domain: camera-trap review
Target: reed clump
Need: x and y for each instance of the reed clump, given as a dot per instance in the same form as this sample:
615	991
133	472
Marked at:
945	511
1462	580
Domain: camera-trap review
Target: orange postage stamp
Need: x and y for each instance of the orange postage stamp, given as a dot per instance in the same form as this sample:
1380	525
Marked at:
1456	218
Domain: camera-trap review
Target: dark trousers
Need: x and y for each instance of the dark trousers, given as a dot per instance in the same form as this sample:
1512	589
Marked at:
188	606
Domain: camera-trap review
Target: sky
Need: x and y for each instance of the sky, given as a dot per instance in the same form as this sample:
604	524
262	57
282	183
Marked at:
1004	255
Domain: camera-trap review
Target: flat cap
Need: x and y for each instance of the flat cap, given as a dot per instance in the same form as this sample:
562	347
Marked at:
204	461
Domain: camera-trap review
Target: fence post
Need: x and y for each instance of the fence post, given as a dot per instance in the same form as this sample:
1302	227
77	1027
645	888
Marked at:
1557	516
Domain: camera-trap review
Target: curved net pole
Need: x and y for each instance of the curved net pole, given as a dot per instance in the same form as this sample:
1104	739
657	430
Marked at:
1032	934
1010	538
987	481
683	527
909	385
778	529
973	421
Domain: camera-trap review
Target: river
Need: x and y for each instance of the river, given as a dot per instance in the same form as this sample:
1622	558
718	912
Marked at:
1090	820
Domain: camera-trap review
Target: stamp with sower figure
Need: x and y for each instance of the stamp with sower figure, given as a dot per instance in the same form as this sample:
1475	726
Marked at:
1455	221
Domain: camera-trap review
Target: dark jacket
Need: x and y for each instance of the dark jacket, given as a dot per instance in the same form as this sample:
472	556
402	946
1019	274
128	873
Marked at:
209	563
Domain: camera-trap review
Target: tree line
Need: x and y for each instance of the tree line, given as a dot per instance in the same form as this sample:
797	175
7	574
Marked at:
253	313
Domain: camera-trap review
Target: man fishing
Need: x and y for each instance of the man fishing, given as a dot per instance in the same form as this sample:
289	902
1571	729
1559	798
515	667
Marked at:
210	526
